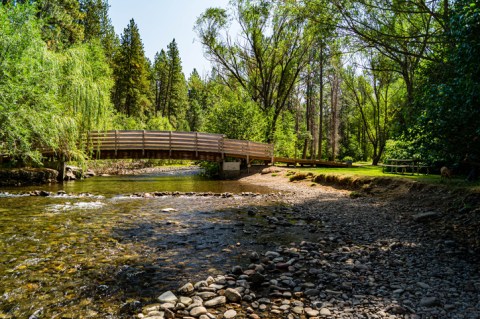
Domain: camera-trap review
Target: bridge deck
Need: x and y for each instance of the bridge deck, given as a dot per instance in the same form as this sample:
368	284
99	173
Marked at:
180	145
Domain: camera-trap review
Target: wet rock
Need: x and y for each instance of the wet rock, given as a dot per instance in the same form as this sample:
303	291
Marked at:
233	295
185	300
311	312
230	314
237	270
325	312
167	297
423	217
198	311
215	302
429	302
186	289
205	295
253	256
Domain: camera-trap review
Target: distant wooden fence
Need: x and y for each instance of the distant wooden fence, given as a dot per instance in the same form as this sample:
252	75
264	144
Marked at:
176	145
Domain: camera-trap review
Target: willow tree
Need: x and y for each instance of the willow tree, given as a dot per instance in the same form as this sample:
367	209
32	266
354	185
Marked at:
48	98
265	58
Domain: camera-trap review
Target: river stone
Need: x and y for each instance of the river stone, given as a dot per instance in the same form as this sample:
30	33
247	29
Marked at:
230	314
150	308
167	305
311	312
198	311
423	285
421	217
233	295
167	297
325	312
272	254
185	300
237	270
205	295
200	284
186	289
312	292
428	302
215	302
298	310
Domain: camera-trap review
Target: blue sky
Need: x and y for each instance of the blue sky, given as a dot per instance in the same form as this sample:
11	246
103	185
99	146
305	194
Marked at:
160	21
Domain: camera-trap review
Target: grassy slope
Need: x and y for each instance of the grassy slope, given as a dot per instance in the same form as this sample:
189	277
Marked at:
376	171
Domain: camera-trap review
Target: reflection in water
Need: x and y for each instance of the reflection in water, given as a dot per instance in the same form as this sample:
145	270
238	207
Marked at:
81	257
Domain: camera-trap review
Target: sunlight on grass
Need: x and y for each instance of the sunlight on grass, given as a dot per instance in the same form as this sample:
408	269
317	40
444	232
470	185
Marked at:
376	171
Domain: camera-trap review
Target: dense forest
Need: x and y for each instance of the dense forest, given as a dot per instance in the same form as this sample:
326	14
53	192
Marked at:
343	79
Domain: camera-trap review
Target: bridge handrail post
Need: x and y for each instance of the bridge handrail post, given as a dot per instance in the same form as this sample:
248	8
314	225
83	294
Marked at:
143	143
116	138
248	154
221	146
169	144
196	144
272	153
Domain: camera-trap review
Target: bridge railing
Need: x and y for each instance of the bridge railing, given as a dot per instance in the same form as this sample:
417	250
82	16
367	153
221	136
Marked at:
177	141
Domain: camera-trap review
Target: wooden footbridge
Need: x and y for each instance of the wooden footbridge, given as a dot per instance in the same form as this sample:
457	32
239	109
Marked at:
184	145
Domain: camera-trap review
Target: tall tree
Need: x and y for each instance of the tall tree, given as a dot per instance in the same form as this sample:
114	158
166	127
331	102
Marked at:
448	127
406	32
267	56
97	25
160	75
197	101
131	94
62	22
376	95
170	86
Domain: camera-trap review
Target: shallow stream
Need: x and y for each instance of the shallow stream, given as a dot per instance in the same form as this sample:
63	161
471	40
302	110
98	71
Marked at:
100	255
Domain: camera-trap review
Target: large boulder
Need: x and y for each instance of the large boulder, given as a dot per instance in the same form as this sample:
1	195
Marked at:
27	176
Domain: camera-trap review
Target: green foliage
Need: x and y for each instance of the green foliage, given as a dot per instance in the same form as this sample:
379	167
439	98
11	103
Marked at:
131	93
197	97
401	149
268	57
235	116
448	126
286	140
210	169
170	87
61	27
48	98
158	123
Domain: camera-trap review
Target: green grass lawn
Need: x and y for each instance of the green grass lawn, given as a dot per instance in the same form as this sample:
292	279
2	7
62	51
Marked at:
376	171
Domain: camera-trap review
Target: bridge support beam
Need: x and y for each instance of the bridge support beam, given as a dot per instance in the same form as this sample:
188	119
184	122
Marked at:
229	170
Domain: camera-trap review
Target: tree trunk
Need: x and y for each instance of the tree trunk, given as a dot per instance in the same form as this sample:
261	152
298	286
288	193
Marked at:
320	117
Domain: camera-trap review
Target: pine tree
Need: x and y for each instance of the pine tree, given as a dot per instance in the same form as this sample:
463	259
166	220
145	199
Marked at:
62	27
160	76
132	84
97	25
170	86
196	101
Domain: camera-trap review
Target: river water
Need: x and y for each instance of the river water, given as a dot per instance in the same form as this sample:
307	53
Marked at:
95	255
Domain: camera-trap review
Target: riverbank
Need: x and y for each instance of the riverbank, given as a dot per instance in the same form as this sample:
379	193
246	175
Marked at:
387	249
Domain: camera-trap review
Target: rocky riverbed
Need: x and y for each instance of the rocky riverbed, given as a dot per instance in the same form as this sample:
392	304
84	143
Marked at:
394	256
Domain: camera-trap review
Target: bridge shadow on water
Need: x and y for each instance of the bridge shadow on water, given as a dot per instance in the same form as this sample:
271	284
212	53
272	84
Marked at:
365	256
